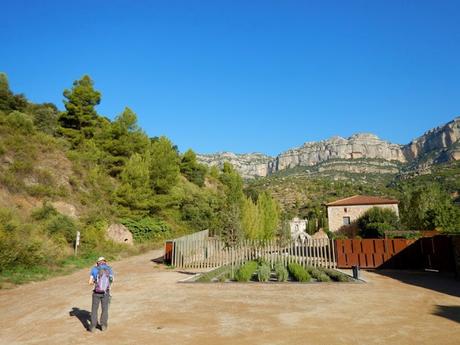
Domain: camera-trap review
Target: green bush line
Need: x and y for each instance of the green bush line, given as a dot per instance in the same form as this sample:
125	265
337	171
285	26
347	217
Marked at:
245	272
298	272
318	274
217	273
263	272
336	275
281	272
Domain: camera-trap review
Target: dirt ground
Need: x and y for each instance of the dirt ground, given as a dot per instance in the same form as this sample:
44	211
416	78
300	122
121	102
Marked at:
150	307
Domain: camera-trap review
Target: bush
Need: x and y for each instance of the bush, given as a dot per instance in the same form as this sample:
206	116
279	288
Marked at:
375	221
64	226
220	273
245	272
281	272
318	274
20	121
263	272
336	275
147	229
298	272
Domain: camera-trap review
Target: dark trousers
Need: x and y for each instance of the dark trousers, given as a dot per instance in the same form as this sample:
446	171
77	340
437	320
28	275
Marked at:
103	299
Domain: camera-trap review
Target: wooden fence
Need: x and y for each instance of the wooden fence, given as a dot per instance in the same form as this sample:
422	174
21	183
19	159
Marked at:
200	251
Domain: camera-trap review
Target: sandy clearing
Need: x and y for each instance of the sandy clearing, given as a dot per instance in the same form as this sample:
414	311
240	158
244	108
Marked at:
150	307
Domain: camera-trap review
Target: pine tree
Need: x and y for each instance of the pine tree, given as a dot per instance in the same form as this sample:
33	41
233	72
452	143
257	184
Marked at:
164	165
135	191
80	118
191	169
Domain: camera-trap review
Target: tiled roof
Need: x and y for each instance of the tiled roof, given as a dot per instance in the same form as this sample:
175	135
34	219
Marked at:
362	200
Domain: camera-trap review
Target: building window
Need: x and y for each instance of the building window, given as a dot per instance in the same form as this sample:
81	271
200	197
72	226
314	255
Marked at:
346	220
345	210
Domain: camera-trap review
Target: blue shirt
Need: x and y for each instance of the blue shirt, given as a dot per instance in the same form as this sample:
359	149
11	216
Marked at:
95	270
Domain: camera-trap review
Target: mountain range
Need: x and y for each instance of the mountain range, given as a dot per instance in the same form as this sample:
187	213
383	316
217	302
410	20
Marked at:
360	153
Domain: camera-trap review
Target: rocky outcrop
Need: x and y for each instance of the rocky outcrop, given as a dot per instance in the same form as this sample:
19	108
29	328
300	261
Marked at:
439	144
248	165
357	146
119	234
436	139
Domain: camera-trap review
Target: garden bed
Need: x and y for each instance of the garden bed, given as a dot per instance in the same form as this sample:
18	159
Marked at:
253	271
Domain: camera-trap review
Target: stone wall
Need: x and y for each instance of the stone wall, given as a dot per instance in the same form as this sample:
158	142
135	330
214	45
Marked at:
335	214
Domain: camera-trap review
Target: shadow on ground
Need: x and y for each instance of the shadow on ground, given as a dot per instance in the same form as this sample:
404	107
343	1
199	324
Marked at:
440	282
451	312
159	260
83	315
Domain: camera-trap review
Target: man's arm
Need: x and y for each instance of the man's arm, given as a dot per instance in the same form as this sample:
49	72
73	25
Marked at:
91	280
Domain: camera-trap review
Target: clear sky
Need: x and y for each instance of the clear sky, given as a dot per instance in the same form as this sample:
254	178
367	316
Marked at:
244	76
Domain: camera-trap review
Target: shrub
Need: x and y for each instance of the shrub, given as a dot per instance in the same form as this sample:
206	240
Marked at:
147	228
375	221
45	212
64	226
20	121
263	272
318	274
246	271
281	272
336	275
298	272
220	273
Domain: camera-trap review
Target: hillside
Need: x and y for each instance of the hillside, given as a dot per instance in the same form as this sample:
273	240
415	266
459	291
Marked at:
75	170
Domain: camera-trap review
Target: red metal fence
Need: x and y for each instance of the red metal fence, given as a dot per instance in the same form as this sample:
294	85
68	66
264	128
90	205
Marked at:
368	253
435	252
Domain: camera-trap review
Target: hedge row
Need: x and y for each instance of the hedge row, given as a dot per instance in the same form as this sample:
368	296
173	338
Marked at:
298	272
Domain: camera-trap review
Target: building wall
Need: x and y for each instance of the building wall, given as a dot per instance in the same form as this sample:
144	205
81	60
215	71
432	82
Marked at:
335	214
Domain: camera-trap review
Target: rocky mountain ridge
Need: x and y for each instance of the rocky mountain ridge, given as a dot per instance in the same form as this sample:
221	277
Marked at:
437	145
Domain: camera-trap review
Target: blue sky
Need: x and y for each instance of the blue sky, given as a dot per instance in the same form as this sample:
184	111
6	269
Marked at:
245	76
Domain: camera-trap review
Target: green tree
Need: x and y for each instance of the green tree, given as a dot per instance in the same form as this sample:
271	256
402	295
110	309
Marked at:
191	169
135	192
427	207
269	213
45	117
164	165
80	118
8	100
250	220
375	221
121	139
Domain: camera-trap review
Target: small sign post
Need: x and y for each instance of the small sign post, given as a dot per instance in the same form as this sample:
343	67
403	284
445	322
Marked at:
77	242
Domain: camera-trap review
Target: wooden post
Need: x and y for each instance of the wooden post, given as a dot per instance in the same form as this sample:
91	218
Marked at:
77	243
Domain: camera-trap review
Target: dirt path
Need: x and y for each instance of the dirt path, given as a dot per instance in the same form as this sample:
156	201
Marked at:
149	307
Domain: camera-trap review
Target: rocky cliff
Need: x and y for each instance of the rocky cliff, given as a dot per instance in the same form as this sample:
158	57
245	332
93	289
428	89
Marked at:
436	145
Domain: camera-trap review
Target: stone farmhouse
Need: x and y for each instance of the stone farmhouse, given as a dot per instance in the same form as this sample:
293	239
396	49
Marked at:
342	213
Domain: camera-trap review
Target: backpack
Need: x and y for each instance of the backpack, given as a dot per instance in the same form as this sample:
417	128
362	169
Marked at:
103	280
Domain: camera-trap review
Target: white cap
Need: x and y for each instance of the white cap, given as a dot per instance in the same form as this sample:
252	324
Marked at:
101	258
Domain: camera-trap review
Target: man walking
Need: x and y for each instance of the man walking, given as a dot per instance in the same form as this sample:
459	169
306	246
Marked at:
101	277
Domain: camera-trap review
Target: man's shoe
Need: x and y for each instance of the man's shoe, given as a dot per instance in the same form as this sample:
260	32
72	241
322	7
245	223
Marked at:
103	328
91	329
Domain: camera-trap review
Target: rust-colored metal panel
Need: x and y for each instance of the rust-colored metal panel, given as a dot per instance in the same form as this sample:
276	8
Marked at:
378	259
398	245
379	246
362	260
352	259
356	244
368	246
168	252
347	248
369	260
